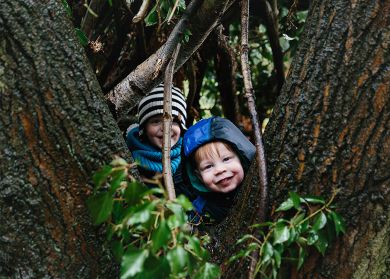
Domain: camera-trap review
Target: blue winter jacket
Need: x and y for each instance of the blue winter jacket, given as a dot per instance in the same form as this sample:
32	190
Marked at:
205	131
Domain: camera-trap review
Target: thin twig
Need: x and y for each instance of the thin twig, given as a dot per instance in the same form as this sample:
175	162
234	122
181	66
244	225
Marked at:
167	126
142	11
255	123
173	11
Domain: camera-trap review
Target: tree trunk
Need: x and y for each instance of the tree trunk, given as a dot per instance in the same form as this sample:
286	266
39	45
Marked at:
330	129
55	131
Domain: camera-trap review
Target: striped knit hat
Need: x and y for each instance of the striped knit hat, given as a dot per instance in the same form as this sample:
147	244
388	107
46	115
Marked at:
153	103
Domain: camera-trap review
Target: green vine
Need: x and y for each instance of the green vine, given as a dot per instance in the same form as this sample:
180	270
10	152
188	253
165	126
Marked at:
313	222
148	234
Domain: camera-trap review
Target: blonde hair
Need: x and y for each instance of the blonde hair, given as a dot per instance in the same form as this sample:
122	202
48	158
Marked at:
209	150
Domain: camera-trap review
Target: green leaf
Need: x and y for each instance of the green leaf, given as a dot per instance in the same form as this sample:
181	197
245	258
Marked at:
281	233
286	205
322	243
298	218
184	202
244	238
161	236
100	176
152	17
117	177
314	199
141	213
82	37
155	268
312	238
195	246
301	257
278	258
132	263
208	271
179	218
338	222
320	221
178	259
117	250
134	192
100	207
293	235
67	7
267	252
295	199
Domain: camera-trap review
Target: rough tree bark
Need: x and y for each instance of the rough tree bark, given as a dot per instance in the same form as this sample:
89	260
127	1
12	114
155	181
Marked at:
330	129
55	130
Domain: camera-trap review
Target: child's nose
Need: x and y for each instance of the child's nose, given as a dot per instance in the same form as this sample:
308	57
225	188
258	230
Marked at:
219	168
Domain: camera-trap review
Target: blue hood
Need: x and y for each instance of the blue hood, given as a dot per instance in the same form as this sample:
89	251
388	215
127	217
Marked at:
213	129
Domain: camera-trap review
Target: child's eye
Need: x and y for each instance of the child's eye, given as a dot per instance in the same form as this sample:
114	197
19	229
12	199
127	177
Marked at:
206	167
226	159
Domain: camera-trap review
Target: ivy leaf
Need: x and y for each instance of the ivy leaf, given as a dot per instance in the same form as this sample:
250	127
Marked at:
301	257
286	205
178	218
134	192
117	177
100	176
281	233
132	263
267	252
67	7
312	238
322	243
161	236
297	219
117	250
320	221
208	271
338	222
82	37
100	207
178	259
295	199
314	199
155	268
141	213
195	246
278	258
184	202
152	17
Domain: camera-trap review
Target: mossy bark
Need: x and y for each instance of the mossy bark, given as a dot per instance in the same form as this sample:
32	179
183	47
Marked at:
55	131
330	129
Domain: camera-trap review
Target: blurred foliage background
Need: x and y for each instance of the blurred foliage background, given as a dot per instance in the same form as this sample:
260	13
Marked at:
118	35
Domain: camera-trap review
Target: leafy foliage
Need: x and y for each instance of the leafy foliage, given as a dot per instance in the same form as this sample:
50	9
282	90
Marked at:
312	223
148	234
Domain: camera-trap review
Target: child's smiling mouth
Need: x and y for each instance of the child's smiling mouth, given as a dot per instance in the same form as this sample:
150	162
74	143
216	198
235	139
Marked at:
225	181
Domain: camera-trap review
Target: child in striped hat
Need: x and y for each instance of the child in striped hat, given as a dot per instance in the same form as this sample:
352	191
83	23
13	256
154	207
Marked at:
145	138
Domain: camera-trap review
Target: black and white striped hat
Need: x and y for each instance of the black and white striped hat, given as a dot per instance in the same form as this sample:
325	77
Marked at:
153	103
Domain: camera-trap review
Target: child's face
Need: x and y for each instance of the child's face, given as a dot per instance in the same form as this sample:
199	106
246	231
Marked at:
222	171
154	131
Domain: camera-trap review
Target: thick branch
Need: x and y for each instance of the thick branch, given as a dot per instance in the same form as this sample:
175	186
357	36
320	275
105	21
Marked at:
203	16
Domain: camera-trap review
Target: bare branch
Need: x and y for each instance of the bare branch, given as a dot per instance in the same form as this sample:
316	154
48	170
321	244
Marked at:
167	126
142	11
173	11
262	171
273	35
204	16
